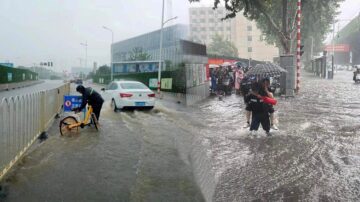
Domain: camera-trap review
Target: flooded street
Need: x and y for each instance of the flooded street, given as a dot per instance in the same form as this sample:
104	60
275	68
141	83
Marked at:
314	156
202	153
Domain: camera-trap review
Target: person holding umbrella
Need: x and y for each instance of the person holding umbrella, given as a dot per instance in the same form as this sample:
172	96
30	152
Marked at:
264	71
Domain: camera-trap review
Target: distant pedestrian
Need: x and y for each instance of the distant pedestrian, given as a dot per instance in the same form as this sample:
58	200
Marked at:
213	80
239	75
256	106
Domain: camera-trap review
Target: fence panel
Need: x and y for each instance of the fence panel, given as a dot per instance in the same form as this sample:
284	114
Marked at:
23	119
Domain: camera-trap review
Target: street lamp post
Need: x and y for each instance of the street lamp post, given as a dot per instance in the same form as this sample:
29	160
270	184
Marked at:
85	45
111	53
161	44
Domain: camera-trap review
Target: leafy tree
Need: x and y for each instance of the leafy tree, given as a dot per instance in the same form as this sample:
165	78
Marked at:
103	70
90	75
219	46
137	54
277	18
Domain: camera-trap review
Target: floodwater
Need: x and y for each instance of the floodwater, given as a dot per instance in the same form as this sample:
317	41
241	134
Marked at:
202	153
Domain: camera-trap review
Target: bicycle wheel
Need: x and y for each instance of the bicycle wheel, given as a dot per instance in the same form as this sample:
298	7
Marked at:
64	126
94	121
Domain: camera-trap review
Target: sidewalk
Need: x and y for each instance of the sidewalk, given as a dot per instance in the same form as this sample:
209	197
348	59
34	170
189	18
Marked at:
122	162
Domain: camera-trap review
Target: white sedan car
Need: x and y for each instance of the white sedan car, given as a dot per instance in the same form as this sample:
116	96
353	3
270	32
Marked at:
130	94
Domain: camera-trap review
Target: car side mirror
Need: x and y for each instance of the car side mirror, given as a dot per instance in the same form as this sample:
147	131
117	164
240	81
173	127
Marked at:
103	89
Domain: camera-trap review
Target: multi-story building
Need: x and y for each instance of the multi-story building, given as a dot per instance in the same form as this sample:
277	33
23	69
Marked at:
205	22
183	68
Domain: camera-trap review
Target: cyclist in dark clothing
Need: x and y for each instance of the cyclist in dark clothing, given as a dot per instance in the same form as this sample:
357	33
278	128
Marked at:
91	97
260	114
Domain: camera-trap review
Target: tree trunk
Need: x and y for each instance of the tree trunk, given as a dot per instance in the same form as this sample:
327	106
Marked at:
283	33
285	40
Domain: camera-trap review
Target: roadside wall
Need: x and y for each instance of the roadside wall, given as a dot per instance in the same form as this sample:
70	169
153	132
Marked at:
23	119
14	75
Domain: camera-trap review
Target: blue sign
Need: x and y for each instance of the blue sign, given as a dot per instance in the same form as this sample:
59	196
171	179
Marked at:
71	101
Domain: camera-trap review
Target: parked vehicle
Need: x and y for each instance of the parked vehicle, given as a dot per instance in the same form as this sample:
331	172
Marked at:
78	81
130	94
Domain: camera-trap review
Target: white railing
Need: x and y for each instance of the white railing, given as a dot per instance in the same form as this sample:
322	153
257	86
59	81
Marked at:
23	119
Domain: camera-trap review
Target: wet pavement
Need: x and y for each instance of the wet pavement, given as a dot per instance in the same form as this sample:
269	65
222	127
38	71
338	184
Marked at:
198	153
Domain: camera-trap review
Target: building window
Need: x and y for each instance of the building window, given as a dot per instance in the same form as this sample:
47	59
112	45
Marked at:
202	12
228	28
194	12
249	38
194	29
203	29
202	20
249	28
249	49
211	20
211	29
221	29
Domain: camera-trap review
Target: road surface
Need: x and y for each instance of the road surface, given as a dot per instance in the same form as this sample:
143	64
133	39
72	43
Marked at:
47	84
202	153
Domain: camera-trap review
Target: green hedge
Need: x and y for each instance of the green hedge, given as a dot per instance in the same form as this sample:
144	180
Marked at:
178	78
17	75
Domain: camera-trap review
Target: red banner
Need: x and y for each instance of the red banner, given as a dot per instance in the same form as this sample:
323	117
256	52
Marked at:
338	48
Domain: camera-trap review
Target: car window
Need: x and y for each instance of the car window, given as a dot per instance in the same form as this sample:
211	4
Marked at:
109	86
114	86
130	86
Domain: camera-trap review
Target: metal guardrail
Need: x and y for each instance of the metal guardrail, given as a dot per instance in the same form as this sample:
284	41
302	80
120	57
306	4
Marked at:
23	119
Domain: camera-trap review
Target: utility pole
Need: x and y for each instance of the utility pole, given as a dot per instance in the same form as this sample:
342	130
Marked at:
111	53
298	52
312	48
161	44
85	45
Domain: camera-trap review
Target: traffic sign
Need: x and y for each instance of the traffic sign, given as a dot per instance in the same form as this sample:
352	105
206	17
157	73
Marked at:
72	101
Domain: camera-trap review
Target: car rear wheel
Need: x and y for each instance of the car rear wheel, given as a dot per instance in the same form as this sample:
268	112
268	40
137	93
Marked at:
113	105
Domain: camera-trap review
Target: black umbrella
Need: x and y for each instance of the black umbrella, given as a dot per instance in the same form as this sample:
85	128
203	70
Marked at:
265	70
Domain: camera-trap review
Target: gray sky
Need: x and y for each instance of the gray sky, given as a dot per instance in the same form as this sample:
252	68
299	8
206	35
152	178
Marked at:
34	31
52	30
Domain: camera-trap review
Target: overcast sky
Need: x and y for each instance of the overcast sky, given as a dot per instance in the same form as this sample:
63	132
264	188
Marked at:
33	31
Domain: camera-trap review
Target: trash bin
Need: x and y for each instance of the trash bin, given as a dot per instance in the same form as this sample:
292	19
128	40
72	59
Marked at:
330	75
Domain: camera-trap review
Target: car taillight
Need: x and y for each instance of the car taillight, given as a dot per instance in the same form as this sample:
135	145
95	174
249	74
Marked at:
125	95
151	95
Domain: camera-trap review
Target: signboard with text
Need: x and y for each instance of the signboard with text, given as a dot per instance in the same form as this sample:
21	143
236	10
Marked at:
338	48
71	101
166	83
153	83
